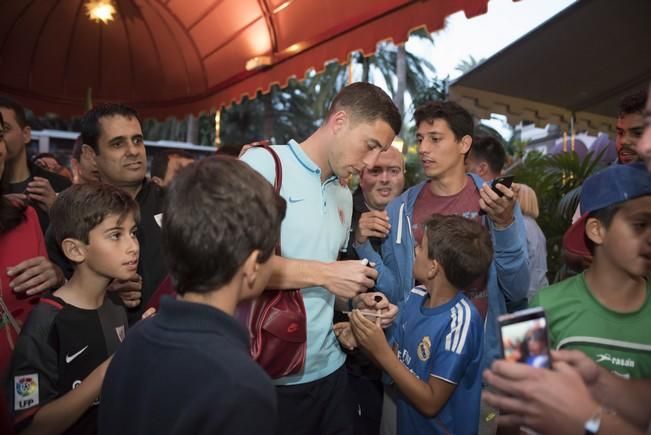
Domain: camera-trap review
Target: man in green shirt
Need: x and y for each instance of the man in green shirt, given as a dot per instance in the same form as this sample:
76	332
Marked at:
606	311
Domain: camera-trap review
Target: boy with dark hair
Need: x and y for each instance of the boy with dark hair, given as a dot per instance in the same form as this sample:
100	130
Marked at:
437	338
62	352
188	370
630	125
605	311
166	164
486	158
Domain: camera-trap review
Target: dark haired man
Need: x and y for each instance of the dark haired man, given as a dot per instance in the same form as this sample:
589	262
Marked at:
37	184
630	125
188	370
486	158
361	123
112	139
166	164
444	133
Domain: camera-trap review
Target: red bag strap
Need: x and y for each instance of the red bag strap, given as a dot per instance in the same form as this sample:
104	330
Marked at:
278	180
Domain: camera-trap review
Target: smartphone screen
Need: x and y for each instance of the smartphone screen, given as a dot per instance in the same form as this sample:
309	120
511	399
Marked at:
506	181
525	338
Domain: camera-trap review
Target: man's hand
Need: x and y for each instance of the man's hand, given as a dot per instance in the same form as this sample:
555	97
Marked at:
372	224
547	401
376	301
498	208
348	278
345	335
368	334
40	191
34	276
130	290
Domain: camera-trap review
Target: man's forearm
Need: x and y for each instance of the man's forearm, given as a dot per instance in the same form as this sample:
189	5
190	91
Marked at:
291	274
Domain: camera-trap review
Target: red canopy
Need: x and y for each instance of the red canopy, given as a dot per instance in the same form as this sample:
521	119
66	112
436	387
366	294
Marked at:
174	57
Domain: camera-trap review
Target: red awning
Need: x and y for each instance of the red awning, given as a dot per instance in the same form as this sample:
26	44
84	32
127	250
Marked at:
175	57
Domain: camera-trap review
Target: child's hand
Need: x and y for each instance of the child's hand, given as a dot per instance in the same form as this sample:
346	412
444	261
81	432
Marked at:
151	312
376	301
368	334
345	335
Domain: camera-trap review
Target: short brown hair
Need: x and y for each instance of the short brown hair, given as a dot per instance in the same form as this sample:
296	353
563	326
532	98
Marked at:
458	118
367	103
461	246
217	212
82	207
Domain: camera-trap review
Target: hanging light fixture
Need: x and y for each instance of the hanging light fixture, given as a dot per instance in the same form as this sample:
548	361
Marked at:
100	10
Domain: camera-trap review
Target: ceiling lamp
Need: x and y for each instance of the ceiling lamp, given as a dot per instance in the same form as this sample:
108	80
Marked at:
258	62
100	10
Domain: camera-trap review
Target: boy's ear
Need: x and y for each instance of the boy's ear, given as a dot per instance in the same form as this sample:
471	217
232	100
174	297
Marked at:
434	269
250	270
74	250
595	231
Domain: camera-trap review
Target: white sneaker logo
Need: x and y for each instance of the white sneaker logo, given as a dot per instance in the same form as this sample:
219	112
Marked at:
69	358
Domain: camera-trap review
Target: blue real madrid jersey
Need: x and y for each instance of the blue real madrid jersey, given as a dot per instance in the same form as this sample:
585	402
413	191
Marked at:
444	342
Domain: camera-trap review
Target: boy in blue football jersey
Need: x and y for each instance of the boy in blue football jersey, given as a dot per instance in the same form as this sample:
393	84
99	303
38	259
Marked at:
437	337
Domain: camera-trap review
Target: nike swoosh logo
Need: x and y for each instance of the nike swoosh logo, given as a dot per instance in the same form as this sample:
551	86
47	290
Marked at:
69	358
295	200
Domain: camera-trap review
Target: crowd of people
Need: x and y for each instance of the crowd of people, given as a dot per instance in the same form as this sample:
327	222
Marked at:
119	290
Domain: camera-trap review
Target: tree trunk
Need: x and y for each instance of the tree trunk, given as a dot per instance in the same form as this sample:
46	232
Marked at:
401	73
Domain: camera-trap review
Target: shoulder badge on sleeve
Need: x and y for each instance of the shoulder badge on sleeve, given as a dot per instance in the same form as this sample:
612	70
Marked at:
25	391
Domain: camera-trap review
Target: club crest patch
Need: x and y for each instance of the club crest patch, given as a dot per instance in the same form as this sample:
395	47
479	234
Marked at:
424	349
25	391
120	332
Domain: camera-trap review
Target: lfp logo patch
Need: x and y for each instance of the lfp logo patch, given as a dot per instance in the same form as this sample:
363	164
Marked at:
25	391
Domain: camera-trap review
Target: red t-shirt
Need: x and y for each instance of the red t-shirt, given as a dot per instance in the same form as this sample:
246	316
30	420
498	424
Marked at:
20	244
466	204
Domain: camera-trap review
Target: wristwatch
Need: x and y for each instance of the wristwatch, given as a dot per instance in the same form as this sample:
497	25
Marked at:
592	425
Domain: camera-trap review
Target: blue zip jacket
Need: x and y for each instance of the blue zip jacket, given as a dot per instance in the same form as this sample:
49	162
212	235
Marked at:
508	275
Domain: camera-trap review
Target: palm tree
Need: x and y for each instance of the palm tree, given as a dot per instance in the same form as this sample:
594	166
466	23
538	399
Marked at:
467	65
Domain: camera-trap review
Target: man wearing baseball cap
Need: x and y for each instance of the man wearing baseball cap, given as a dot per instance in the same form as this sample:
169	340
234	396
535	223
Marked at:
606	311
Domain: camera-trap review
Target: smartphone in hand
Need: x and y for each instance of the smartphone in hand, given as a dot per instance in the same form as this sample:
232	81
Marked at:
525	337
506	181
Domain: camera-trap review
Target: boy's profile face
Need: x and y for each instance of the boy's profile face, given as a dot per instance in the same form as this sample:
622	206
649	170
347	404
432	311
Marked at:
113	248
627	242
422	263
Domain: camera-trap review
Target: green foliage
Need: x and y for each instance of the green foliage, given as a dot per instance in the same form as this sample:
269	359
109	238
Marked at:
556	179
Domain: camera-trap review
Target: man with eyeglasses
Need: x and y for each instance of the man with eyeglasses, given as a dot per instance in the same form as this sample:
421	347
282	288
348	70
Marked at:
378	185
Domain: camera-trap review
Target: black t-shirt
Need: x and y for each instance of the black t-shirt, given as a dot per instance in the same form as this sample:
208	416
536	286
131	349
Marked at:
150	262
57	349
